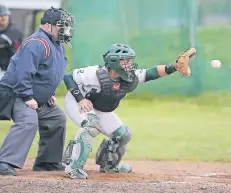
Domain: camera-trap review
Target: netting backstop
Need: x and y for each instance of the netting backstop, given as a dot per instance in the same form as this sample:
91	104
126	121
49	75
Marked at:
158	31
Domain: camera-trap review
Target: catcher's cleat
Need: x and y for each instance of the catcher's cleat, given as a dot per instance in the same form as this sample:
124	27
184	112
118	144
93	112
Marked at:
121	168
76	173
124	168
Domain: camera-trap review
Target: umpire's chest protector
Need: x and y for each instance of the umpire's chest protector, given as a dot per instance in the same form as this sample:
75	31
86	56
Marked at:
111	93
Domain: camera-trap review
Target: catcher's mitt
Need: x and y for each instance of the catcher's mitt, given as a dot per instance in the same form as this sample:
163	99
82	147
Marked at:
182	62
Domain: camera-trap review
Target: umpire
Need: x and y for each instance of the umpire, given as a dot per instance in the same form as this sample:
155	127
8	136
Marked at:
32	77
10	39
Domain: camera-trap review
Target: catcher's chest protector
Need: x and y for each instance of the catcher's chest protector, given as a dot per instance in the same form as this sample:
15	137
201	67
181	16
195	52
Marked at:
111	93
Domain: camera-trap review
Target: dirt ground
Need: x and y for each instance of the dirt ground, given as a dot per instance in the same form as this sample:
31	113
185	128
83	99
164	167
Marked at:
147	176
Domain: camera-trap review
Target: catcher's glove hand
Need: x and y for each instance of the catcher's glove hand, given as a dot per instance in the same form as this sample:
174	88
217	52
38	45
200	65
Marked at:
182	62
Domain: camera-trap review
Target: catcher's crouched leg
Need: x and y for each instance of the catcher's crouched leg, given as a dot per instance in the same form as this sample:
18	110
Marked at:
111	151
77	152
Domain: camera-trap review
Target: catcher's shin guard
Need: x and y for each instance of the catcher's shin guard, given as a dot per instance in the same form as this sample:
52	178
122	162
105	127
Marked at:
111	151
68	152
77	152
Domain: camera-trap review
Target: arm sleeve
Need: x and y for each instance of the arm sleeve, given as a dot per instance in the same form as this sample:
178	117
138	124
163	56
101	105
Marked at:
69	81
27	61
152	74
159	71
72	86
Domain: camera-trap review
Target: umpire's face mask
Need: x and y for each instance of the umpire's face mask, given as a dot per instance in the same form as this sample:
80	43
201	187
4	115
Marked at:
65	32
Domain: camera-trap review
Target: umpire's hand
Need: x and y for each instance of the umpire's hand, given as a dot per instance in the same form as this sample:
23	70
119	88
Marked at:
32	104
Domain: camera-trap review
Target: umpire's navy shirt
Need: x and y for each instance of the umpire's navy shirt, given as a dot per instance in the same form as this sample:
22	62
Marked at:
37	68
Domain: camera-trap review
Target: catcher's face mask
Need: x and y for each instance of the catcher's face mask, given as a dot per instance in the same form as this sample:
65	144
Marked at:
124	67
120	58
127	69
127	65
65	25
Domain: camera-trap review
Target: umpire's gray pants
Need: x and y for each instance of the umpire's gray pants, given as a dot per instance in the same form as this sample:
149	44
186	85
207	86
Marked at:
51	122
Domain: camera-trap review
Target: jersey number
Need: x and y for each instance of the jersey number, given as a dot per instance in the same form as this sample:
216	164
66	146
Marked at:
80	71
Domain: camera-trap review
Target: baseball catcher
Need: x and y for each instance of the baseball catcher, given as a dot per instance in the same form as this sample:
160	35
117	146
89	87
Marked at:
94	92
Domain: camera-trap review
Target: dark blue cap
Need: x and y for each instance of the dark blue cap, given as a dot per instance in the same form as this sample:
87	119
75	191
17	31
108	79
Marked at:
51	16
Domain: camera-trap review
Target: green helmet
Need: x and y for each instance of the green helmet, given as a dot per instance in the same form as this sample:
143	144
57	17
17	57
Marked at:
112	57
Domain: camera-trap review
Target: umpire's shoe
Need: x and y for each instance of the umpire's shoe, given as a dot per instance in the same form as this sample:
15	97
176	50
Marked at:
7	169
48	167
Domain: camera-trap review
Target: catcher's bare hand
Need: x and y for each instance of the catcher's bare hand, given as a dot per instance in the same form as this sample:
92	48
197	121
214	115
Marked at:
182	62
32	104
85	106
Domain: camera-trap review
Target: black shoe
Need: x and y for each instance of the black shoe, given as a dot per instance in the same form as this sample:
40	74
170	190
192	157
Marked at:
7	169
48	167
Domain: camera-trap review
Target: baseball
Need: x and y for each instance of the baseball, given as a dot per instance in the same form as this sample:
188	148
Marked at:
216	63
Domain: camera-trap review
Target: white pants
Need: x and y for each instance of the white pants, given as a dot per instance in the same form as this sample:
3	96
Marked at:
109	120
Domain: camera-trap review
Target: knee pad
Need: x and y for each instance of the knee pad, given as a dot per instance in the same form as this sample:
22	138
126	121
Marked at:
92	131
111	151
122	135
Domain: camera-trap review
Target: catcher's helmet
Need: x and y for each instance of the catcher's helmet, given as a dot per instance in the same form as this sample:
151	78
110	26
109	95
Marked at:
117	52
61	18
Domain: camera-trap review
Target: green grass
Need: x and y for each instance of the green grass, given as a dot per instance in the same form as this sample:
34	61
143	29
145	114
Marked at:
171	129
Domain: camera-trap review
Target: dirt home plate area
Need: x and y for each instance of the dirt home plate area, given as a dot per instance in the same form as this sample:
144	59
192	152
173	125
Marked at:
147	176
